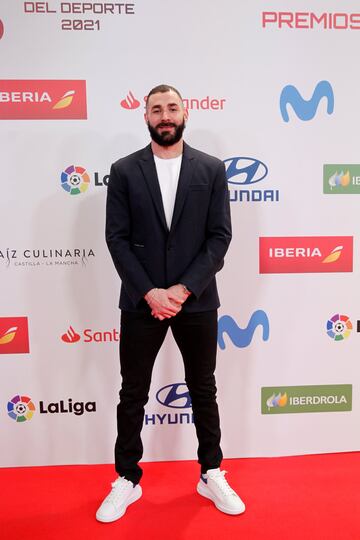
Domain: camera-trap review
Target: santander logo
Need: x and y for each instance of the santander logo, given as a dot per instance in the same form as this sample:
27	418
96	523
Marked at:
70	336
305	254
90	336
130	102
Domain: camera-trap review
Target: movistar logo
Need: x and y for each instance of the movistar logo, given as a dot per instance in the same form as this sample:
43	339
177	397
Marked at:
242	337
306	109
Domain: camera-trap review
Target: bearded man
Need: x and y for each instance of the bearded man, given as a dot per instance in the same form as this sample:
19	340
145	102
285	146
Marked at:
167	228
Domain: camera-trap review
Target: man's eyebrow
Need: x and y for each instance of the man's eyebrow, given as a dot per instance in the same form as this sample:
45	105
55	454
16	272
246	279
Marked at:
158	106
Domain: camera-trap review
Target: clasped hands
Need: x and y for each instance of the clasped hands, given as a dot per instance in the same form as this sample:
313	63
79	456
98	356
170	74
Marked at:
166	303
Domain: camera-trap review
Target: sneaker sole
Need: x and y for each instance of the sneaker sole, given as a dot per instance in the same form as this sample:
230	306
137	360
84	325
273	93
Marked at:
204	491
135	497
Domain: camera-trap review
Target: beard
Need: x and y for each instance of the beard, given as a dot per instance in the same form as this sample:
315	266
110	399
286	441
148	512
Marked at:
166	138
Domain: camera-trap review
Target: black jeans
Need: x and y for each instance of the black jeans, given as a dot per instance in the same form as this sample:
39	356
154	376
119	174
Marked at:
141	338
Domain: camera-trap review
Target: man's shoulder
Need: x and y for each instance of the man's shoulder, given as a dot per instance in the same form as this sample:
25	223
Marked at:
132	158
201	156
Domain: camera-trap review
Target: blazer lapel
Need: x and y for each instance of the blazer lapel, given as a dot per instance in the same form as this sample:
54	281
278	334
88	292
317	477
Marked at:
186	172
148	168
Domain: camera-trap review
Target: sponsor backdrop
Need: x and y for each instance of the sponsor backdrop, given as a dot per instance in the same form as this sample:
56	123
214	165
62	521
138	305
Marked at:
277	101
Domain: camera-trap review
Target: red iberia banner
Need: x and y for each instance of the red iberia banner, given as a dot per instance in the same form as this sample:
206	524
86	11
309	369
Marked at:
42	100
301	254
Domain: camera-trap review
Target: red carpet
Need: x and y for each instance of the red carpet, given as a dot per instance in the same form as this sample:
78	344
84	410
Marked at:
306	497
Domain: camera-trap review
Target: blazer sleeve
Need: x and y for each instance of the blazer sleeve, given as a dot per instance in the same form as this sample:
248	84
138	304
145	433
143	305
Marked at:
117	232
210	259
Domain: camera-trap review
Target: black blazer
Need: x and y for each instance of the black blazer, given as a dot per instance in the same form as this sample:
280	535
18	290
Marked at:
145	253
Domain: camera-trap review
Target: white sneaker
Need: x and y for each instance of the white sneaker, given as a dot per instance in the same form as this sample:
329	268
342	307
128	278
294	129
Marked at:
115	504
214	486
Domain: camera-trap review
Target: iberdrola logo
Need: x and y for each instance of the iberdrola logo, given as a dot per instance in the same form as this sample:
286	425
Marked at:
279	400
65	100
339	179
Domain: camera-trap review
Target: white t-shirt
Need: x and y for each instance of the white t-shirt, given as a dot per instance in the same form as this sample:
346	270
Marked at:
168	171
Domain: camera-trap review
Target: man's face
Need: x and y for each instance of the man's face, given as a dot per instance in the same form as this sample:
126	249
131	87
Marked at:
166	117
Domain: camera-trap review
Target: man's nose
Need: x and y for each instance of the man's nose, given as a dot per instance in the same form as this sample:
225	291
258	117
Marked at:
165	115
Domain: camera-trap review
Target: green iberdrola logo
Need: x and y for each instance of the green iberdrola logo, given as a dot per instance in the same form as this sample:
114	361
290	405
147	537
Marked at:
341	179
305	399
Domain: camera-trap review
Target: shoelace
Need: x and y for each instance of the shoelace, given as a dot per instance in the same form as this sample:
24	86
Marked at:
118	488
221	482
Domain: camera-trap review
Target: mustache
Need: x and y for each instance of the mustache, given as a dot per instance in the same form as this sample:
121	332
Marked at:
166	124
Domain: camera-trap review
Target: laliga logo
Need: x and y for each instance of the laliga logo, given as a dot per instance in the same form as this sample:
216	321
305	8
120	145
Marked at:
339	327
1	29
242	337
75	180
306	109
173	396
20	408
245	170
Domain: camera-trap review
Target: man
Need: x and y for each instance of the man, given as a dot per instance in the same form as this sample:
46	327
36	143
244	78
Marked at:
168	229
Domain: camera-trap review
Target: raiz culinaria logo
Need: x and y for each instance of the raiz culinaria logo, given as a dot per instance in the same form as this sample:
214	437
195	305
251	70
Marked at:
49	257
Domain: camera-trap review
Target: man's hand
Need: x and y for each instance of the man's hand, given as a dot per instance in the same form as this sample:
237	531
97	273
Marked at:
160	304
166	303
178	293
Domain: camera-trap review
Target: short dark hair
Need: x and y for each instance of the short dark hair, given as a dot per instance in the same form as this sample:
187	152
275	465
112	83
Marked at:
162	88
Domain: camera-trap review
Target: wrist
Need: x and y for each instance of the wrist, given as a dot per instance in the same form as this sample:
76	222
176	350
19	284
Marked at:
185	289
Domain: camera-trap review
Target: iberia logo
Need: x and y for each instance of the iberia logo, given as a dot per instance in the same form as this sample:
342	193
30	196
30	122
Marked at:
14	335
42	99
302	254
130	102
65	101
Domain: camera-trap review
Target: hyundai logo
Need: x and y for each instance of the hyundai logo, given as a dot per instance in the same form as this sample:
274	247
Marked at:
174	396
244	170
